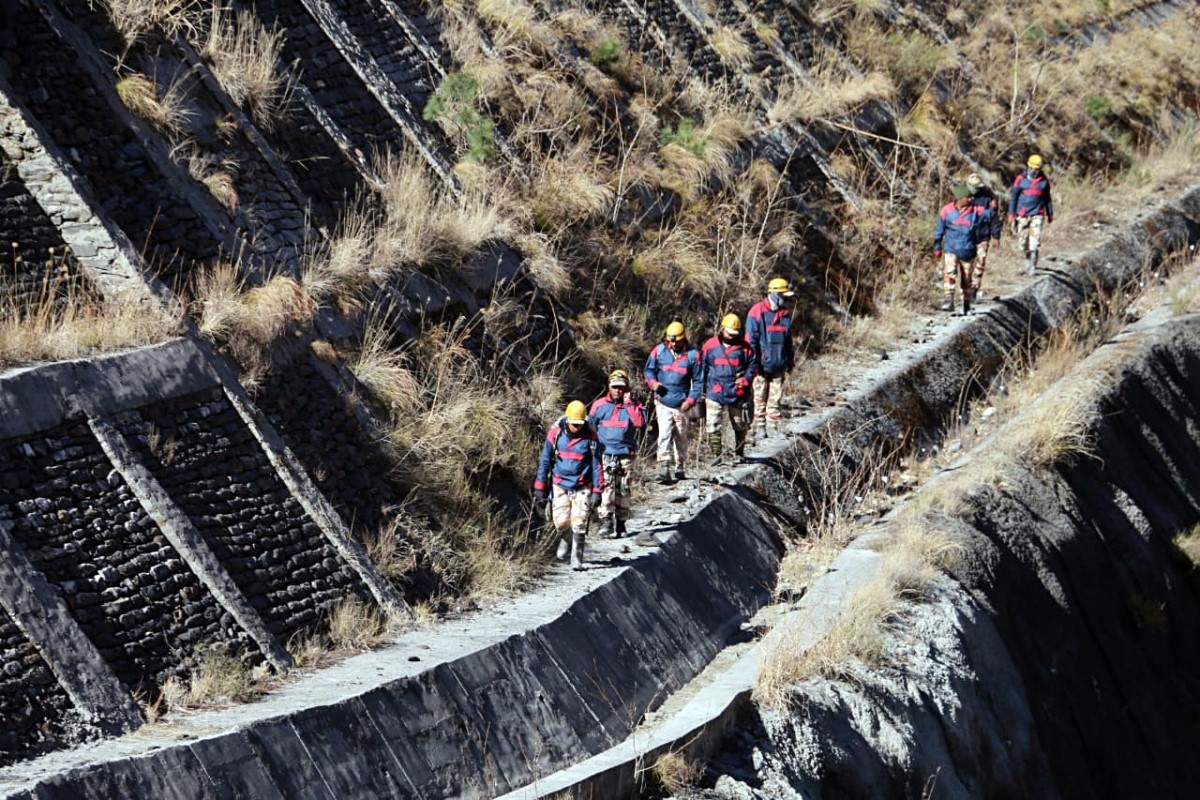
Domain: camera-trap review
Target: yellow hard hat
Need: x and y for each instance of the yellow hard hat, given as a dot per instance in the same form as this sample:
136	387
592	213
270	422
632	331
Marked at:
675	332
732	322
1034	162
619	377
576	412
780	286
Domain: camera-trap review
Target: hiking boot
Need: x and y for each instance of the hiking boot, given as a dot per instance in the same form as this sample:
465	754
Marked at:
621	528
564	549
664	475
606	529
680	475
948	304
577	552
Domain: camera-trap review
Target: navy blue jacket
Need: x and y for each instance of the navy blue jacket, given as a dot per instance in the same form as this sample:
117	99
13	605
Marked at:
960	231
1031	196
682	375
723	365
617	424
769	334
569	460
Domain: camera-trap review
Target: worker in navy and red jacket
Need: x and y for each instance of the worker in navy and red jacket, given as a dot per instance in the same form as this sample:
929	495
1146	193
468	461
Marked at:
675	374
961	226
1029	207
729	368
570	463
769	334
619	419
983	196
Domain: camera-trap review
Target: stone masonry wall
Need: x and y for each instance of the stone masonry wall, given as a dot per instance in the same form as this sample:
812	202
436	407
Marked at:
34	262
34	709
143	608
201	452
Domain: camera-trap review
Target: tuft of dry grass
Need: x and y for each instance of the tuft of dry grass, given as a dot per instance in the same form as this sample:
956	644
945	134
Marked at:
355	625
247	320
222	678
674	771
859	635
162	109
219	176
828	96
137	19
67	321
246	61
1187	542
731	46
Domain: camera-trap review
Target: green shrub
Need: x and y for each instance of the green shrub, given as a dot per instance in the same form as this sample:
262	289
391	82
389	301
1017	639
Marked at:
684	134
606	55
453	104
1098	106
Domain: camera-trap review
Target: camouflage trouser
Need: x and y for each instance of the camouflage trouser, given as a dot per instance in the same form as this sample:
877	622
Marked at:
740	415
618	495
672	434
570	510
1029	233
950	267
768	394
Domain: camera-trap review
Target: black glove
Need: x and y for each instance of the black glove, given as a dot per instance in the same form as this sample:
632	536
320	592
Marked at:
539	497
594	501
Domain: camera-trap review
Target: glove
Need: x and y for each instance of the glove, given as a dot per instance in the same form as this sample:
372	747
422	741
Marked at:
687	404
740	386
659	389
937	253
539	497
594	501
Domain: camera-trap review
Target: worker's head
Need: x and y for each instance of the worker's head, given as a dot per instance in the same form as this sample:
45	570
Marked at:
675	336
1034	162
618	384
731	327
778	290
576	415
974	182
962	196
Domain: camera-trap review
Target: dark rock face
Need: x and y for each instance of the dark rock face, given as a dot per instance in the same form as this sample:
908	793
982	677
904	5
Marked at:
1058	662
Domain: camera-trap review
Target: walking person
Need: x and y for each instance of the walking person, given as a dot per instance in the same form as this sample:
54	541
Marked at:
984	198
1029	208
674	373
769	334
570	465
618	419
729	367
961	226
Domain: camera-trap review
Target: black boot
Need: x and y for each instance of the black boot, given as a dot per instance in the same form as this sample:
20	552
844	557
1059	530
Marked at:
664	475
621	528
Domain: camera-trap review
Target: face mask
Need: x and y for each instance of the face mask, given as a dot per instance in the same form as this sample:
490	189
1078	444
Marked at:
776	300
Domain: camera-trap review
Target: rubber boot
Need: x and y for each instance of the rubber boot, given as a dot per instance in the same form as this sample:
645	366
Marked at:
1031	262
739	445
577	552
621	528
606	528
714	446
564	546
760	431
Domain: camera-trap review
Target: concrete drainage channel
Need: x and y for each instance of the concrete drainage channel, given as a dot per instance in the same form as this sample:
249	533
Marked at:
513	697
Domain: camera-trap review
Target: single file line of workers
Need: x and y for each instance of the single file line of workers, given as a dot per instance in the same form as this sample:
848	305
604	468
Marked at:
737	374
968	229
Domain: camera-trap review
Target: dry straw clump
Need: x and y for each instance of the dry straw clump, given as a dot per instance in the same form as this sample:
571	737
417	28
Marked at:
673	772
246	61
163	109
221	679
67	321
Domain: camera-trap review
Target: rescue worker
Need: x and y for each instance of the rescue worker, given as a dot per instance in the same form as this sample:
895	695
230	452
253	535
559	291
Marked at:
983	197
618	419
569	461
675	374
961	226
769	334
729	367
1029	208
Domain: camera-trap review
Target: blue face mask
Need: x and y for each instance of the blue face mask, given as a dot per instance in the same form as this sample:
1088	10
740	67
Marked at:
776	300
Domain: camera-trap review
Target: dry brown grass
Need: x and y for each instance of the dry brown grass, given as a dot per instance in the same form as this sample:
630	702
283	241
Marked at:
136	19
247	320
857	636
731	46
164	109
828	96
246	61
219	176
355	625
67	321
221	679
674	771
1187	542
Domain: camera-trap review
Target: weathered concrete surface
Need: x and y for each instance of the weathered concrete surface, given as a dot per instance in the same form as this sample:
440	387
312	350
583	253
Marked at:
507	699
1059	659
